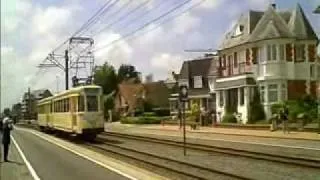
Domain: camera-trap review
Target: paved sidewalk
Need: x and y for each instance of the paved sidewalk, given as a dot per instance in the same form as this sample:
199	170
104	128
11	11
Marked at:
15	169
229	131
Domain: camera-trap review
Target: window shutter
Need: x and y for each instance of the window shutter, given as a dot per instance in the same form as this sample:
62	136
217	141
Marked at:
224	61
254	55
247	57
288	52
311	52
235	59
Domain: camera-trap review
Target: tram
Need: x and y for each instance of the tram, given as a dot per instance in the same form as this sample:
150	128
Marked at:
76	111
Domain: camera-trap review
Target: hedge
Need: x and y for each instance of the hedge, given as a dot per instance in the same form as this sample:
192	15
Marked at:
141	120
229	118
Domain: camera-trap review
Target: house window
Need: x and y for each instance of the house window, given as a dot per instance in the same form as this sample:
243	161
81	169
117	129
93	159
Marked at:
272	52
273	93
197	81
235	59
221	98
241	96
312	71
261	54
262	93
282	52
299	52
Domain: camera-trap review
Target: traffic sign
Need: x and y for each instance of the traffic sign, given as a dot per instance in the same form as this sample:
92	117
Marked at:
183	94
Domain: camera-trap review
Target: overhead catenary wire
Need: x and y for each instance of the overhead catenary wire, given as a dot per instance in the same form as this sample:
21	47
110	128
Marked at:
166	20
84	26
97	18
145	25
141	5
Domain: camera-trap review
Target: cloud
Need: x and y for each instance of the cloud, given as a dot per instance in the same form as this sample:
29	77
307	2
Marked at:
165	61
185	23
210	4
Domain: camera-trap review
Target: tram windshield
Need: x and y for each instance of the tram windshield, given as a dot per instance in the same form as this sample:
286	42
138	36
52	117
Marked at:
92	103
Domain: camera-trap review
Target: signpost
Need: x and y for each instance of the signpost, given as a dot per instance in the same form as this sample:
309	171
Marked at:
183	97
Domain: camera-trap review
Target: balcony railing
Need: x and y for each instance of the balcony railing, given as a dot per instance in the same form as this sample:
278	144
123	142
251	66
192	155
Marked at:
242	68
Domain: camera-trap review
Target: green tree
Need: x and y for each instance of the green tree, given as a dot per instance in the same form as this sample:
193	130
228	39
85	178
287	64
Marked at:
106	77
256	109
126	72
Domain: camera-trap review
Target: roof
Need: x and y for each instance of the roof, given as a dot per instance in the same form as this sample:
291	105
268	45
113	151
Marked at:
204	66
130	92
272	23
157	93
38	93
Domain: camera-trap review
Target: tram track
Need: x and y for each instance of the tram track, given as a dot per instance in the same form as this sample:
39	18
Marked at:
178	167
299	161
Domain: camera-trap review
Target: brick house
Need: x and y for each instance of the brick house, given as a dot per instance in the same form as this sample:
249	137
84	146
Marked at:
273	52
131	97
199	76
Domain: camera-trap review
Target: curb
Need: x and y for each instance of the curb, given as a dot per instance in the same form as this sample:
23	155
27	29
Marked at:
234	134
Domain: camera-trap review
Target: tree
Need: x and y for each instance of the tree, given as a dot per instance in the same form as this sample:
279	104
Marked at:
126	72
106	77
256	108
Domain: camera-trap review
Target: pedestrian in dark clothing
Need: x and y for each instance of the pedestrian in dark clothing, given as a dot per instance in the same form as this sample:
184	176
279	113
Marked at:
7	126
285	119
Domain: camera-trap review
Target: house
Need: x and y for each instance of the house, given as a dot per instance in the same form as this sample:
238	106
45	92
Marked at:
129	97
132	97
29	102
199	76
272	53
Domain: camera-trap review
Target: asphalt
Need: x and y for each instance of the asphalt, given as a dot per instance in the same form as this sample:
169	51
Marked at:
51	162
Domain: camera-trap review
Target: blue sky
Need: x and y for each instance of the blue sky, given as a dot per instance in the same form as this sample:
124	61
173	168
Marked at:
30	29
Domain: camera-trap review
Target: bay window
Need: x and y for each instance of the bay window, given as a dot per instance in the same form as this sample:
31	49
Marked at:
272	52
272	93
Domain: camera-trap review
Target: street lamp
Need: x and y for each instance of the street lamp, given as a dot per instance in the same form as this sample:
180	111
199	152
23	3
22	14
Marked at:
183	97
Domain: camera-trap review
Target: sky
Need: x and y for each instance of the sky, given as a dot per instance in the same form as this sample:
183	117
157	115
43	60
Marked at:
30	29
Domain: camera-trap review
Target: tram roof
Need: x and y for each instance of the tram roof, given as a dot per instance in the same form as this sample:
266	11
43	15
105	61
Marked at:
66	92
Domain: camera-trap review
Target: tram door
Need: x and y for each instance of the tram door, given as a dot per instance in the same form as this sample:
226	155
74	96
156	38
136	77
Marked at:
73	112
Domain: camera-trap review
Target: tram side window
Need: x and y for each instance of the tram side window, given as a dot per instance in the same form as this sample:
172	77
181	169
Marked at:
92	103
67	105
80	103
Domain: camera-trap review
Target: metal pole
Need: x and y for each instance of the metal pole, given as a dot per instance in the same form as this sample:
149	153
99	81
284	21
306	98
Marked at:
67	69
184	129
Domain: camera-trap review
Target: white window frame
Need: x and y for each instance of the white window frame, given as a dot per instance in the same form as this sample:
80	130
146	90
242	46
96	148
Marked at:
272	55
276	89
299	52
262	54
197	80
282	52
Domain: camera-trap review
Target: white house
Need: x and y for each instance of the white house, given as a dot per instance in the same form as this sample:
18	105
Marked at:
272	51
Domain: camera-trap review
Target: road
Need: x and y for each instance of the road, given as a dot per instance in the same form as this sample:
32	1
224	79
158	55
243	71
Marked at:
51	162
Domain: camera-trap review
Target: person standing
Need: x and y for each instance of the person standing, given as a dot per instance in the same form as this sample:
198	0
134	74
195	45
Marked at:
7	126
285	119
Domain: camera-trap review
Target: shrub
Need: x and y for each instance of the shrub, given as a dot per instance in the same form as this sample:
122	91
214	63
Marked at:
162	111
141	120
149	114
229	118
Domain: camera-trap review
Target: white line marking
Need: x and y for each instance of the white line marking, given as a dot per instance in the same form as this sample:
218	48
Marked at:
82	155
30	168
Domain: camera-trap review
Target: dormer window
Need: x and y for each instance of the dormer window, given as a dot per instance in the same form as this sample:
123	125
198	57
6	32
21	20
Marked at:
239	30
197	82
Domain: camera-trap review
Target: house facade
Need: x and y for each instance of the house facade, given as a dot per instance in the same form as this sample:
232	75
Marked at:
199	76
272	53
29	103
132	97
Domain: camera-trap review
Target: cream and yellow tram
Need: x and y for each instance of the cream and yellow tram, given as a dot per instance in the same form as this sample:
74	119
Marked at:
76	111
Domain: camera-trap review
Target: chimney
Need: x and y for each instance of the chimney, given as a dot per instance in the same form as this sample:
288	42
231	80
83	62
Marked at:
273	5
